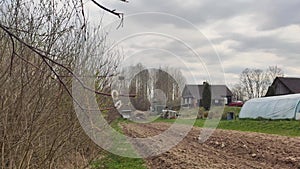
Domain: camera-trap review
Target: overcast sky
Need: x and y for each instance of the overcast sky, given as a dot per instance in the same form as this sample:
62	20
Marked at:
189	34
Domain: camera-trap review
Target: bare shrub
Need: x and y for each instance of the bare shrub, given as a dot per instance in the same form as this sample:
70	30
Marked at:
39	44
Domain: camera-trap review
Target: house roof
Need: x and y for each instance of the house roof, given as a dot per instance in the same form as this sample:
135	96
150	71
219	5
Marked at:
197	90
293	84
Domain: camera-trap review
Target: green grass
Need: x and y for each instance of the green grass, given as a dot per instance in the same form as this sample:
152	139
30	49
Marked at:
236	110
112	161
279	127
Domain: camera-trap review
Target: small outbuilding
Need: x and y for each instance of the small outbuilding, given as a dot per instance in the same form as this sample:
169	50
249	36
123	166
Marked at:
283	86
275	107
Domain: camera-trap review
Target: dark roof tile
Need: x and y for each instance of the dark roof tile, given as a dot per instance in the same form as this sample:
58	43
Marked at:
293	84
196	91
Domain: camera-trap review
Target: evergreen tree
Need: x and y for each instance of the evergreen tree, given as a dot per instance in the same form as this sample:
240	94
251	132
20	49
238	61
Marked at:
206	96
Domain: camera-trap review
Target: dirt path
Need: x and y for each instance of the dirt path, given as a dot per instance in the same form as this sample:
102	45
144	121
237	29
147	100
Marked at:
224	149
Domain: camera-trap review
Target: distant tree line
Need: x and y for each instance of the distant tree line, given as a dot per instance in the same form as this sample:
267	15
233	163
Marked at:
254	83
160	86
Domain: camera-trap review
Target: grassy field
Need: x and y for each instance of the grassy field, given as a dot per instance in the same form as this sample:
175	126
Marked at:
236	110
279	127
112	161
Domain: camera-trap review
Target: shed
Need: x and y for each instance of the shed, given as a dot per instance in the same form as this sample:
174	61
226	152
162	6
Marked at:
283	86
275	107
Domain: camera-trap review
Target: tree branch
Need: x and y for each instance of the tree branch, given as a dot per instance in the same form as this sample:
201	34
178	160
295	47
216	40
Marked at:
46	59
112	11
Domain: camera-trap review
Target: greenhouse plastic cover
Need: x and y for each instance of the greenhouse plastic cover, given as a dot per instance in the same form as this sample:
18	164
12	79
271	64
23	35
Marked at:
275	107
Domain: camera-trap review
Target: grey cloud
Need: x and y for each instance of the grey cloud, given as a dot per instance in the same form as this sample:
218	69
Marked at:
266	43
278	13
198	12
270	14
267	15
234	69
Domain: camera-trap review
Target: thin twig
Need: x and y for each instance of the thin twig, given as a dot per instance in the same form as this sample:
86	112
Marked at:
112	11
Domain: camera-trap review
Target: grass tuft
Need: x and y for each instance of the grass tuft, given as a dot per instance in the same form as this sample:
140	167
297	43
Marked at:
112	161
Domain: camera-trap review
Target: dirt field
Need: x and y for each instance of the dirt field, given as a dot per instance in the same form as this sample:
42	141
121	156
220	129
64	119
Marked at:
224	149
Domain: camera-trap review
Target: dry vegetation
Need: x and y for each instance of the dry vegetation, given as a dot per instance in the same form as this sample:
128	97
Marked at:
40	41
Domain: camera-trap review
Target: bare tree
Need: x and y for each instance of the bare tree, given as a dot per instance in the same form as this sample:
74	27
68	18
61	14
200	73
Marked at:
175	82
254	82
238	93
273	72
152	84
247	83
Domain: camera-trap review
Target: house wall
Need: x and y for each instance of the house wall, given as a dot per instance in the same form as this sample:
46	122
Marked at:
188	101
192	102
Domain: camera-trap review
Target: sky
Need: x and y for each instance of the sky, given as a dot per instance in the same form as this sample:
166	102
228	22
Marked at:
208	40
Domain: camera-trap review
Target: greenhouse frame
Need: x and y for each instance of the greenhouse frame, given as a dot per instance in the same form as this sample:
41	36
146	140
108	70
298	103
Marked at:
275	107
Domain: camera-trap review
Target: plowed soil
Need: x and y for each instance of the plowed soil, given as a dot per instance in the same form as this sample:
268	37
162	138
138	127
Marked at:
224	149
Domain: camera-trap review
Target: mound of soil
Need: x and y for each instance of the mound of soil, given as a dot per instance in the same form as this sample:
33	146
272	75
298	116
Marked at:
224	149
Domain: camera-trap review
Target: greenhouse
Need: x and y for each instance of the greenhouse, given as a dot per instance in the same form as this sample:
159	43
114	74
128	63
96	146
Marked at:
275	107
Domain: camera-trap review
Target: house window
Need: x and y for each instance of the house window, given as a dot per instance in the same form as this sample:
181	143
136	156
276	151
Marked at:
186	100
225	100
